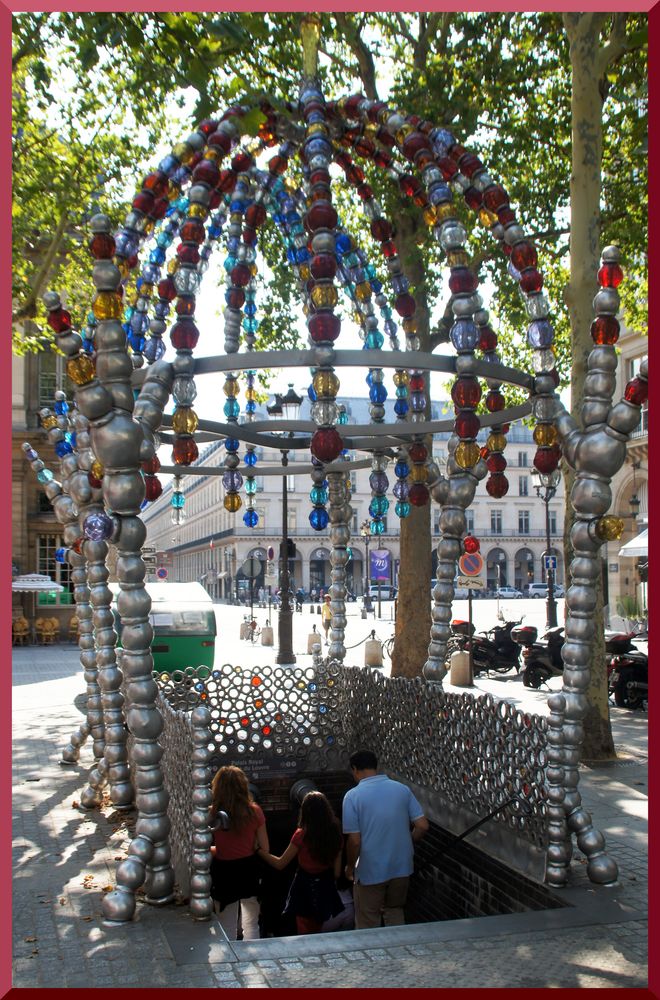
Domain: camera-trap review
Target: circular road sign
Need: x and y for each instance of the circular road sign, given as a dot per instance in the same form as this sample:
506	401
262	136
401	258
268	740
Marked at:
251	568
161	573
471	564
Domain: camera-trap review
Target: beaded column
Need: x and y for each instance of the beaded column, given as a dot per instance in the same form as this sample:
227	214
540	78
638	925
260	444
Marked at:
559	842
201	904
340	536
596	453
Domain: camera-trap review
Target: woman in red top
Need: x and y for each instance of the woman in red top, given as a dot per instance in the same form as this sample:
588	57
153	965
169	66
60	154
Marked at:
240	826
317	843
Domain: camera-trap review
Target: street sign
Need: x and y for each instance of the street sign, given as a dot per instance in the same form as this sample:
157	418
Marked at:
161	573
550	562
251	568
471	582
471	564
164	558
148	550
149	559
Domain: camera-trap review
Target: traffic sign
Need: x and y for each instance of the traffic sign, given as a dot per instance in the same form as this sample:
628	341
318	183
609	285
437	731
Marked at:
161	573
471	564
471	582
550	562
148	550
251	568
149	559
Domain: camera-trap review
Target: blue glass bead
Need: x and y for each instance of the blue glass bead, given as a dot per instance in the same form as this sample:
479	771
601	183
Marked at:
390	326
61	406
540	333
250	519
178	501
237	206
374	341
31	455
418	402
71	438
342	418
379	506
144	505
125	244
401	469
369	378
157	256
250	406
230	263
213	232
291	255
343	244
250	486
311	393
351	260
318	495
317	147
139	322
250	309
206	251
402	509
439	193
232	481
161	309
378	393
401	490
302	254
442	140
400	283
376	527
464	335
378	482
60	555
98	527
136	342
164	240
401	407
180	176
376	285
370	271
233	244
250	325
44	476
154	349
181	204
401	392
251	458
151	273
319	519
231	444
168	164
63	448
232	409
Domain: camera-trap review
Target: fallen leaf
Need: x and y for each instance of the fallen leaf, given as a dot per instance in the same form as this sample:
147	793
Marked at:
74	804
30	940
107	888
36	951
62	900
87	919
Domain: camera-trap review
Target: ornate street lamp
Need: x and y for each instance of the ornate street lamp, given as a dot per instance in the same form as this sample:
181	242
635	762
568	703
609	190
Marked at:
288	407
545	485
365	531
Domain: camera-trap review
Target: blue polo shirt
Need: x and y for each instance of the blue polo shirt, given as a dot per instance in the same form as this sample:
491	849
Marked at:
381	811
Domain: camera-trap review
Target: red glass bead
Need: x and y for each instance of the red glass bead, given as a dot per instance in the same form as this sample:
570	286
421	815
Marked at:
531	280
473	198
610	276
418	495
326	444
405	305
184	335
59	320
408	184
321	215
467	424
496	462
323	326
494	401
321	192
77	545
156	182
207	126
319	177
365	147
323	265
226	181
255	215
249	235
523	255
495	197
484	452
471	544
457	150
413	144
466	392
240	275
192	231
417	383
448	167
504	428
143	202
382	159
241	162
487	339
546	459
152	488
151	465
388	248
637	391
187	253
161	205
277	164
462	279
413	120
470	164
352	104
354	174
418	452
235	298
497	485
506	215
95	483
365	192
102	246
185	451
206	173
166	289
195	159
605	330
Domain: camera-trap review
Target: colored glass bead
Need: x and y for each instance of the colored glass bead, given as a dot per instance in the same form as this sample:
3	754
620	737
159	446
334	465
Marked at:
232	502
466	392
605	330
326	444
418	452
546	459
494	401
81	370
184	421
185	451
319	518
545	435
637	391
610	276
467	425
497	485
324	327
523	255
152	488
609	528
471	544
98	527
418	495
402	509
107	305
250	519
466	454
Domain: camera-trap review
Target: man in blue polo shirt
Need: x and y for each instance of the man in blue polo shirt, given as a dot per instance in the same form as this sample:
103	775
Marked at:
382	819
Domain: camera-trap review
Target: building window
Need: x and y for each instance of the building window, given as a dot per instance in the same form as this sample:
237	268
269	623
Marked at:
385	531
469	521
354	520
553	522
292	520
47	545
291	484
522	459
523	486
496	522
436	520
523	522
353	482
52	376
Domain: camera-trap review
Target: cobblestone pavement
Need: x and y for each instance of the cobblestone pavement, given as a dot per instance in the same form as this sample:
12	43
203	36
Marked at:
64	857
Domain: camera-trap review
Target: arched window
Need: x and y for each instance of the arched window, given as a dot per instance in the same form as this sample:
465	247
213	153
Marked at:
523	568
496	569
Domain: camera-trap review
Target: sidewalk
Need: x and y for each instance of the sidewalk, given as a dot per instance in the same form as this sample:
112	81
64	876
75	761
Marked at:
64	857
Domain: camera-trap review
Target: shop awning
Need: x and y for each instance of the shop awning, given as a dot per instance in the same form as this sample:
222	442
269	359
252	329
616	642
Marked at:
637	546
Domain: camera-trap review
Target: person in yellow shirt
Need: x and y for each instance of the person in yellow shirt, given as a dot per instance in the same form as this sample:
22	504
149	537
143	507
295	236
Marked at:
326	616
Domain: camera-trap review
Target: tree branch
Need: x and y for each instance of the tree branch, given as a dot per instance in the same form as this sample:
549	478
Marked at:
29	308
365	60
615	46
27	48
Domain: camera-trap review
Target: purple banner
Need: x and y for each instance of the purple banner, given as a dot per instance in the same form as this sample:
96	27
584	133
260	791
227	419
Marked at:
380	565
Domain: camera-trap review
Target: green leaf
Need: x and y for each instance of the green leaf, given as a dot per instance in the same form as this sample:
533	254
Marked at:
252	120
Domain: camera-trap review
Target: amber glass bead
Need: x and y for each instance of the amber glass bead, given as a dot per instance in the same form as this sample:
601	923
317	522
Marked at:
410	325
496	442
487	218
231	388
97	469
232	502
81	370
444	212
198	211
401	378
605	330
326	384
324	296
609	528
183	152
419	474
467	454
545	435
363	291
184	451
184	420
250	395
49	421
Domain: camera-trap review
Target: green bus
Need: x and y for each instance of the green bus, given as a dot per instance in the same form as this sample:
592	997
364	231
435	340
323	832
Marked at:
183	621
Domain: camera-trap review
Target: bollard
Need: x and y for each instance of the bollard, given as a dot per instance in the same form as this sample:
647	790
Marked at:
311	609
267	635
363	613
245	630
300	789
313	639
373	652
318	609
459	670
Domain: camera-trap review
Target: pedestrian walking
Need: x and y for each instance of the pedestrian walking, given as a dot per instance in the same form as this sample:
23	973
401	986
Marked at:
240	827
381	819
317	844
326	616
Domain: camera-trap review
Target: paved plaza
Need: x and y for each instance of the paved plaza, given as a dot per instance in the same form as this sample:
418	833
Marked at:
65	858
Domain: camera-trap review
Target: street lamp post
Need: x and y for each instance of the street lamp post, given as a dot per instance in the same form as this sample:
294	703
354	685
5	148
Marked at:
365	531
287	406
545	485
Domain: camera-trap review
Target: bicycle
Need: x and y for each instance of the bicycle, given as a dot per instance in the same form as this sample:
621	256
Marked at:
254	631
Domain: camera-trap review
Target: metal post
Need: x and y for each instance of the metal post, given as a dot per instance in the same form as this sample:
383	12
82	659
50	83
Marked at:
551	604
471	671
285	623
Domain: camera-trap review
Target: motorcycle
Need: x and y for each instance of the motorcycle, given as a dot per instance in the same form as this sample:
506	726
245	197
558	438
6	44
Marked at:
491	650
628	671
541	657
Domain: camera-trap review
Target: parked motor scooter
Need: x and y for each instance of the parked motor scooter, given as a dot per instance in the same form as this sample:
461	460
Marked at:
627	670
491	650
541	657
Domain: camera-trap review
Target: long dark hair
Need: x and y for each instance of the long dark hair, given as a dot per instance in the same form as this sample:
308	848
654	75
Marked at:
231	793
321	828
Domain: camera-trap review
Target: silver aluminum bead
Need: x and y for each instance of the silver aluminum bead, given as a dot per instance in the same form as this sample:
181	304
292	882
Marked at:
481	317
603	358
323	356
544	385
196	141
462	305
452	522
69	343
599	384
111	335
100	223
591	497
514	234
606	302
105	275
183	364
611	255
323	242
199	194
624	417
465	364
123	492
